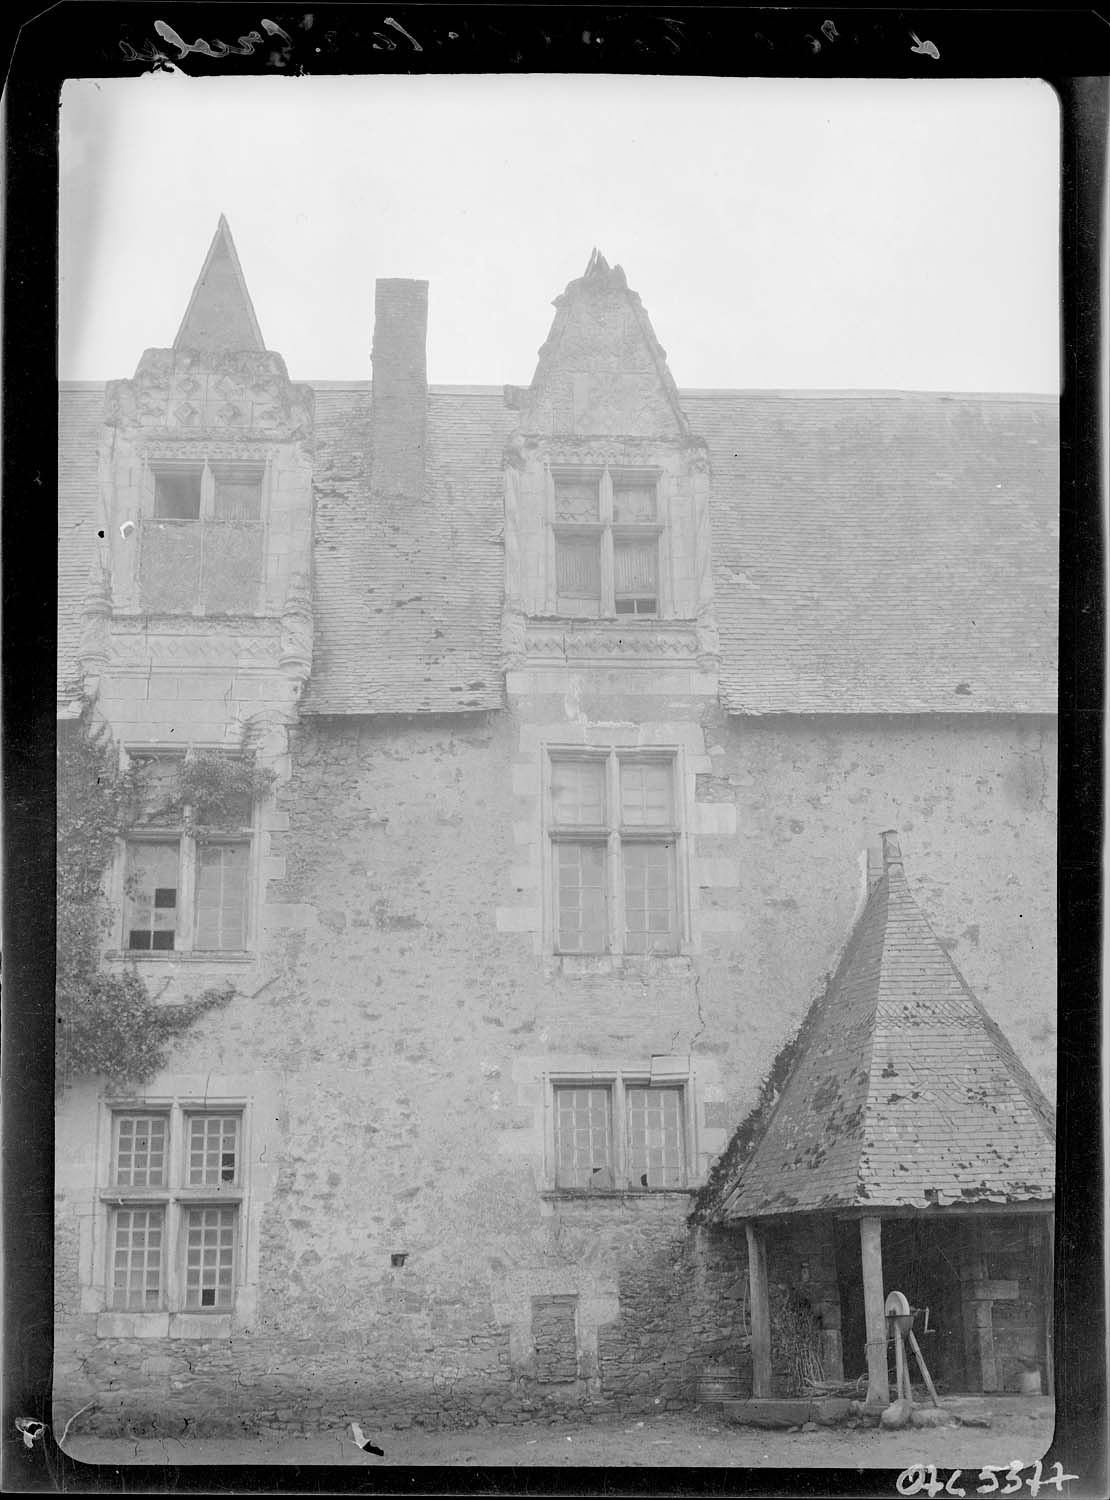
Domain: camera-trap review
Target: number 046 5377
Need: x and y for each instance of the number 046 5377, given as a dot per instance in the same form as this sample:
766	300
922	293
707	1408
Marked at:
995	1479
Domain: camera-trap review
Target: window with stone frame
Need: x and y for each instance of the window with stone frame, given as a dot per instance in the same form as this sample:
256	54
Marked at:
200	538
623	1133
607	530
614	833
173	1202
186	887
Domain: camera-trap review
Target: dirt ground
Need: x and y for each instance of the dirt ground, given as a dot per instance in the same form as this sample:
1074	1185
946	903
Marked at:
1021	1430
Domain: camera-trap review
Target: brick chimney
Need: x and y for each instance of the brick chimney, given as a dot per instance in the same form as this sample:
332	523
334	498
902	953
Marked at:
399	401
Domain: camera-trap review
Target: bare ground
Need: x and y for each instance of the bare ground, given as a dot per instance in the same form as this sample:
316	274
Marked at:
1021	1431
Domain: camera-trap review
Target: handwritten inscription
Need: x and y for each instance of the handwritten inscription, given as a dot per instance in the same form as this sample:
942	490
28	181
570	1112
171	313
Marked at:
924	1479
205	49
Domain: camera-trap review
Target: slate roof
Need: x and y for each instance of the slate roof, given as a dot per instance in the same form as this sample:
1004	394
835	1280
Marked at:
408	594
220	314
884	552
905	1092
873	553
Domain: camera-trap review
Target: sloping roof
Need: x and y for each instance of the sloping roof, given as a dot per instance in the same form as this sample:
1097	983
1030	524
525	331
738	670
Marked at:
80	413
873	553
884	552
220	314
905	1092
408	594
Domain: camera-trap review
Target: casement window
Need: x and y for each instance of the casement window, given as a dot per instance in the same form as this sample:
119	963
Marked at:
207	491
607	531
201	537
622	1134
614	834
186	888
174	1202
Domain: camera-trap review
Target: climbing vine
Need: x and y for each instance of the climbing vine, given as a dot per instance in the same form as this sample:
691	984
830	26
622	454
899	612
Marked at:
108	1025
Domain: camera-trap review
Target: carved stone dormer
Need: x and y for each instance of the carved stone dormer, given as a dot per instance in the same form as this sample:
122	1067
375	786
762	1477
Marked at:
606	491
207	464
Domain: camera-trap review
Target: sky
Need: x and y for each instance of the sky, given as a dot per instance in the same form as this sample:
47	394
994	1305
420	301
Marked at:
783	234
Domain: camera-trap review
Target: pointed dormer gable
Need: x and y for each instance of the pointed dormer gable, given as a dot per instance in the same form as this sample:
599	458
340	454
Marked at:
904	1092
602	371
220	315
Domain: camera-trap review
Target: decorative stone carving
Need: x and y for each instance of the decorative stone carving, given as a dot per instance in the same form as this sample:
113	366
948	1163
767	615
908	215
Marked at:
247	391
513	641
296	628
602	370
157	449
220	648
93	652
612	640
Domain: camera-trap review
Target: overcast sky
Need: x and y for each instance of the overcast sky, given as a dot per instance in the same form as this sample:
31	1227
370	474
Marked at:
809	235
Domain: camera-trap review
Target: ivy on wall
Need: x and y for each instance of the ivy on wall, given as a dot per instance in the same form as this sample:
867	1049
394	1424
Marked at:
107	1023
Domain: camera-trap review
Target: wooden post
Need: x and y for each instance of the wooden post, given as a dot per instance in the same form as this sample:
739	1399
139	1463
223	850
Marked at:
760	1311
871	1246
901	1374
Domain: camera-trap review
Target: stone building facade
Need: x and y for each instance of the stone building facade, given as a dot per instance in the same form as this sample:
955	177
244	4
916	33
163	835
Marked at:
584	702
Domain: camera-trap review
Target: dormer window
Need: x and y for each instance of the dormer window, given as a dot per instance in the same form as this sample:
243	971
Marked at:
221	492
201	538
606	532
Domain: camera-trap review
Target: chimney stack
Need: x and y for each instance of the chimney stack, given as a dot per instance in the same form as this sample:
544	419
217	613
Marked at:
399	399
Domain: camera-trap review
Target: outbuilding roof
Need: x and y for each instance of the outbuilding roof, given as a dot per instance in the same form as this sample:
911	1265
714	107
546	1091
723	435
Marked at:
905	1093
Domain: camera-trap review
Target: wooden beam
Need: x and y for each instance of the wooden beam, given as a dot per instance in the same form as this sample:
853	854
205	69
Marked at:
871	1247
760	1305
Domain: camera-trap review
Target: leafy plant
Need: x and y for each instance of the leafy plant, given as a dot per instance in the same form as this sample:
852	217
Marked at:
219	790
107	1023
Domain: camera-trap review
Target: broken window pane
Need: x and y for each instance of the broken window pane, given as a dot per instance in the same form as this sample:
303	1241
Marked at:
213	1149
583	1138
583	920
177	494
210	1257
655	1142
151	885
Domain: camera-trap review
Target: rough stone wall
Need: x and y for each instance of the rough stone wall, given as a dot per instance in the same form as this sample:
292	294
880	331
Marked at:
974	804
407	1029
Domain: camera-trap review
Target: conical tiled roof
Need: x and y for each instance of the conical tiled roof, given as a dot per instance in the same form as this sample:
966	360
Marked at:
906	1093
220	315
